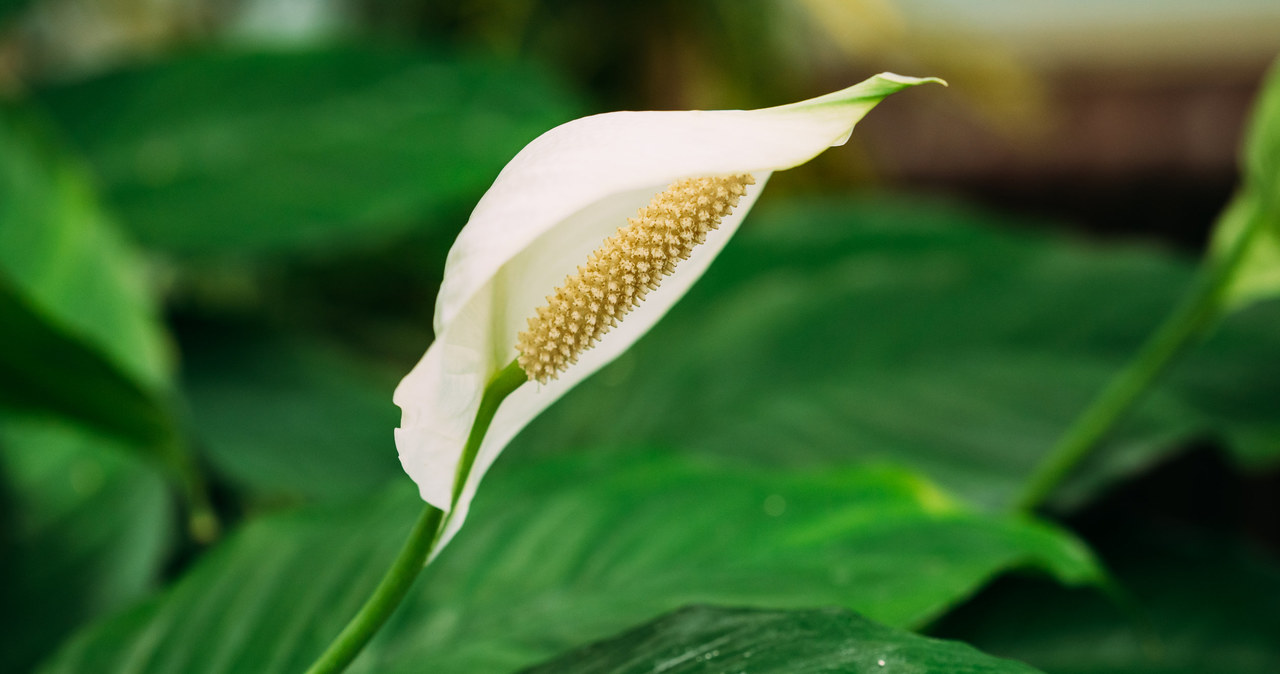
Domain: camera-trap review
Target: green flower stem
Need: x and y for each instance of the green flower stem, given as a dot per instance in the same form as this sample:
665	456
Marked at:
384	600
422	540
502	385
1191	320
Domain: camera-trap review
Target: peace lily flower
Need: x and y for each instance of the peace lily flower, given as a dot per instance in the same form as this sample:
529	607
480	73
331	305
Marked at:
528	278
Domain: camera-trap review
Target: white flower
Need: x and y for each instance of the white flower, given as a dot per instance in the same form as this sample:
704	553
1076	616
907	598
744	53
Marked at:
544	215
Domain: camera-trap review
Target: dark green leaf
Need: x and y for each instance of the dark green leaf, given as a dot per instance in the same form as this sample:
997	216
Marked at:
282	416
247	153
267	599
83	531
565	551
46	371
1205	605
707	640
80	335
845	331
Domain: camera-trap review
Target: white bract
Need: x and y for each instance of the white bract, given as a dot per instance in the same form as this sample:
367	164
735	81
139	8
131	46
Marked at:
547	211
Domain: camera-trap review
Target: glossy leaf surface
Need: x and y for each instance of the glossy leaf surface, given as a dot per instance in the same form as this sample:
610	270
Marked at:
707	640
575	549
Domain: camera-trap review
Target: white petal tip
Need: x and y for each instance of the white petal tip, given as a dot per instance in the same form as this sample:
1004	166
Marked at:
430	499
430	461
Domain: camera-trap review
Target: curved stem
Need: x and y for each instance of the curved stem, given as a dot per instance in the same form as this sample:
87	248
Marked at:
1189	321
503	384
422	539
385	598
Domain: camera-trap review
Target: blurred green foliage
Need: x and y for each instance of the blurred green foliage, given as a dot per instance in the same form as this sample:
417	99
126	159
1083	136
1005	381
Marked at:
255	400
75	294
47	371
326	148
224	255
9	8
1200	603
84	531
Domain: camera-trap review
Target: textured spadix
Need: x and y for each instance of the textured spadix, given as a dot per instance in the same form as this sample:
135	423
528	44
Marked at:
620	273
552	205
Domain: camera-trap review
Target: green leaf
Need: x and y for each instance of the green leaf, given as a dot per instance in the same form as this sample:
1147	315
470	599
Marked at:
1256	206
574	549
703	640
281	416
44	370
851	331
267	599
73	296
1199	605
84	530
250	153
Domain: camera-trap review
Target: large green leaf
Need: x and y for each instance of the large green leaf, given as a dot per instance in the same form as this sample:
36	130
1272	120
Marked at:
569	550
707	640
281	416
268	598
841	331
1198	605
73	297
83	531
246	153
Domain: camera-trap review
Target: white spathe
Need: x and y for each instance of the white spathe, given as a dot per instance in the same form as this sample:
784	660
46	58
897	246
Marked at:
553	204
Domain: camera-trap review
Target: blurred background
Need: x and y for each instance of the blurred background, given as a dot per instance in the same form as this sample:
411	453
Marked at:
223	224
1122	116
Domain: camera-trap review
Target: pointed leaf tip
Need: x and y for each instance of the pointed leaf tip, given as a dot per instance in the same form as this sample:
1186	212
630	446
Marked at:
909	81
871	90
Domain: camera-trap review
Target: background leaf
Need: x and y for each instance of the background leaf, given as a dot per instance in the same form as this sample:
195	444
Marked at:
708	639
574	549
248	153
284	417
81	328
84	529
46	371
1200	604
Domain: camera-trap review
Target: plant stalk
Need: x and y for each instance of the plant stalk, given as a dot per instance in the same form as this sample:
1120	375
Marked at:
421	542
1190	321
